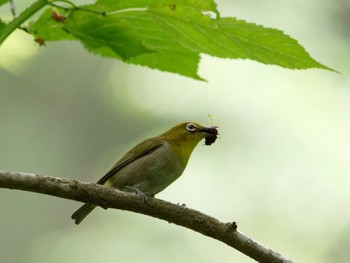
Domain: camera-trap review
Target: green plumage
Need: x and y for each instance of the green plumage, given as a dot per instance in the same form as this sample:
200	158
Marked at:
153	164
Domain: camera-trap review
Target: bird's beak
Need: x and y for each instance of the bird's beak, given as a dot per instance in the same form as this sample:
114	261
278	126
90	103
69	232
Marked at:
209	131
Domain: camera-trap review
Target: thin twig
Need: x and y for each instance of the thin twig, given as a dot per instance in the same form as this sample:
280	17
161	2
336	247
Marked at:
12	8
111	198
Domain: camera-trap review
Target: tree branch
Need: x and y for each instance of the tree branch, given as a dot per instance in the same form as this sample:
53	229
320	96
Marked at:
111	198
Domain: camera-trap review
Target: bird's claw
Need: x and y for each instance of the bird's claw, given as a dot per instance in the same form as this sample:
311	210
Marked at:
143	195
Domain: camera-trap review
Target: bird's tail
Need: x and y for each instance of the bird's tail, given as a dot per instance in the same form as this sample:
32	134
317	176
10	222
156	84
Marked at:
82	212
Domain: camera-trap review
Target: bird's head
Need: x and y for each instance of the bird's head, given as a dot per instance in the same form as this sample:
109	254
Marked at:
189	134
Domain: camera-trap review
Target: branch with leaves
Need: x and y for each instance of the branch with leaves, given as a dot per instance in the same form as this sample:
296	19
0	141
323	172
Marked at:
165	35
172	213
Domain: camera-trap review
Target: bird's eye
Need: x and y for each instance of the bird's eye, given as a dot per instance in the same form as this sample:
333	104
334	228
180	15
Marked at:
191	127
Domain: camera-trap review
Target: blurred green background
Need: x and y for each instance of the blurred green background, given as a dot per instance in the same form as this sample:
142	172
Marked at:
280	169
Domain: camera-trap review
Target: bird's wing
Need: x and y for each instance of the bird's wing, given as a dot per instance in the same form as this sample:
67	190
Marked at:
144	148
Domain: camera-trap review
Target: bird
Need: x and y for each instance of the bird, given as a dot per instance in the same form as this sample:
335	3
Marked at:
155	163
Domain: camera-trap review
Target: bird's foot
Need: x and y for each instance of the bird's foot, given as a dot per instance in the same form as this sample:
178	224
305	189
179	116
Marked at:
143	195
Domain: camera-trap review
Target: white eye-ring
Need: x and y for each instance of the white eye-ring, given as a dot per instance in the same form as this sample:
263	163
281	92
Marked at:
191	127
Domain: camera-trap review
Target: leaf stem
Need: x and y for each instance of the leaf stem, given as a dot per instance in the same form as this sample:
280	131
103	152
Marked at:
18	21
75	7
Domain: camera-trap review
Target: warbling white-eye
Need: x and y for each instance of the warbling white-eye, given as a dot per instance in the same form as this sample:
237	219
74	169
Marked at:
152	165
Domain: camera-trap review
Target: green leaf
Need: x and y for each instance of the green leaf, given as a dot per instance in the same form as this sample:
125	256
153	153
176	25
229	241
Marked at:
110	32
185	64
266	45
49	29
128	5
2	2
223	37
170	35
